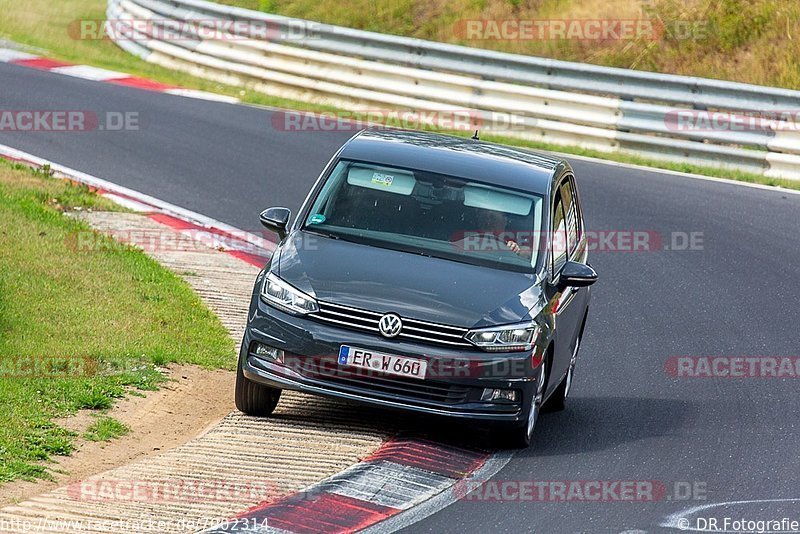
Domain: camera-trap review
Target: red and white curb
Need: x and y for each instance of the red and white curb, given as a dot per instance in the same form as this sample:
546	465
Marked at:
404	481
246	246
86	72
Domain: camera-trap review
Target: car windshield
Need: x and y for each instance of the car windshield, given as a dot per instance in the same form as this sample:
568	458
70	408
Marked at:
426	213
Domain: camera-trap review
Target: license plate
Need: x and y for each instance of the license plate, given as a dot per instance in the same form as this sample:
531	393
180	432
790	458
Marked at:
383	363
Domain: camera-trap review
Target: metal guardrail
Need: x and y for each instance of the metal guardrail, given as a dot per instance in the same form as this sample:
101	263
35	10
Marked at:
606	109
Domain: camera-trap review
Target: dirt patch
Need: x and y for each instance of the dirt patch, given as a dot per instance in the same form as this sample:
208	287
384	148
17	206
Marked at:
188	404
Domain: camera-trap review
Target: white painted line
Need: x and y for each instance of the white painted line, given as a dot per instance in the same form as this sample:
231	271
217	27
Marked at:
89	73
141	198
490	468
202	95
9	54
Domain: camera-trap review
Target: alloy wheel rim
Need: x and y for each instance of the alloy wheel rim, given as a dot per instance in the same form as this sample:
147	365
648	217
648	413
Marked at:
571	369
537	403
534	414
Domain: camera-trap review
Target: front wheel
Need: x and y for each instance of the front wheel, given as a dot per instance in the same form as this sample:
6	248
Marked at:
519	435
558	401
252	398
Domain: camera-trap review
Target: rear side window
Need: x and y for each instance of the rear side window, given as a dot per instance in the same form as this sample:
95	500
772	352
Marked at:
559	242
571	215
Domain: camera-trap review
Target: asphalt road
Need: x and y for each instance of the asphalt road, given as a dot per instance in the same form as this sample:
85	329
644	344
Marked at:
628	419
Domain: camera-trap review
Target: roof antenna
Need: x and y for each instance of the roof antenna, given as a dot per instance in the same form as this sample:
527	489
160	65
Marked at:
475	136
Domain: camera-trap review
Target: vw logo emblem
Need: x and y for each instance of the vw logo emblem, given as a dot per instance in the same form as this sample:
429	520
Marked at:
390	325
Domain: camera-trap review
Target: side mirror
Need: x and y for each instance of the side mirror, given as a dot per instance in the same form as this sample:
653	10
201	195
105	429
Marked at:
276	219
576	274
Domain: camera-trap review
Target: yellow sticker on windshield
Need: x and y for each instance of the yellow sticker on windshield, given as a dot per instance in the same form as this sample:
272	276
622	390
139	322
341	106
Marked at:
382	179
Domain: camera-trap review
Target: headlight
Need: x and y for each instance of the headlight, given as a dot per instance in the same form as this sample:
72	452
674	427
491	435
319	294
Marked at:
511	338
278	293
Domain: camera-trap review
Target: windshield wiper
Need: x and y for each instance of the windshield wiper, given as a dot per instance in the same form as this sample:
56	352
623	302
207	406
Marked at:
321	233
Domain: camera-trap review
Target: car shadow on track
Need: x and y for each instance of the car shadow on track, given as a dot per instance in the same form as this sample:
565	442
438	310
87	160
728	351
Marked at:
598	423
588	423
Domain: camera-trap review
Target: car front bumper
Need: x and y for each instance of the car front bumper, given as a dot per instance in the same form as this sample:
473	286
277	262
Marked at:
461	375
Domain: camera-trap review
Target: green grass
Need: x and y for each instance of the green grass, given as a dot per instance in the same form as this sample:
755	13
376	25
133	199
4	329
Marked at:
752	41
106	429
80	329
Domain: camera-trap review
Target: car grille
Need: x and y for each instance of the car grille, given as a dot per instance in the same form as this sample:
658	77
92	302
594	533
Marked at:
367	321
391	387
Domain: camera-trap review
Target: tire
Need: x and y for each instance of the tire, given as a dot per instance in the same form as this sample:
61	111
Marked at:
520	435
558	400
254	399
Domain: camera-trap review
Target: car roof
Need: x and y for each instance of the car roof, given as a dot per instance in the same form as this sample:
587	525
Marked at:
455	156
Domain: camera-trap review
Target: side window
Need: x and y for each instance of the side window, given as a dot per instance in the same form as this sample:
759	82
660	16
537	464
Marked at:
571	215
559	242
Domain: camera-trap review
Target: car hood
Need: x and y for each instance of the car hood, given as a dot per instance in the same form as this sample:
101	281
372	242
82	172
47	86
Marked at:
412	285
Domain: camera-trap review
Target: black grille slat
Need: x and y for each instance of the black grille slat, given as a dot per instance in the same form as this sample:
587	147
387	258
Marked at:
366	320
424	324
349	317
348	324
348	309
423	331
432	340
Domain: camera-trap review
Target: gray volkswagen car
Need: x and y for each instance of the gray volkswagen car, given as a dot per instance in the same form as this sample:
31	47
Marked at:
428	273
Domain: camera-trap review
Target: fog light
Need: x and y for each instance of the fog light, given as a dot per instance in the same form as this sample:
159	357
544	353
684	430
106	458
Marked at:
499	395
269	352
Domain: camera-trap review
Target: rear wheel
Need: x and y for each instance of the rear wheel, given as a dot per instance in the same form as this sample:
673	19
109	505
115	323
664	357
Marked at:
253	398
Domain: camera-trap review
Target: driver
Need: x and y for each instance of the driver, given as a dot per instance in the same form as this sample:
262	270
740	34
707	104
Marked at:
495	223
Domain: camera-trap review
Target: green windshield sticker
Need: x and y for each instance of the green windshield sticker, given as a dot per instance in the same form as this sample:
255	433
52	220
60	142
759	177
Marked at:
382	179
317	218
